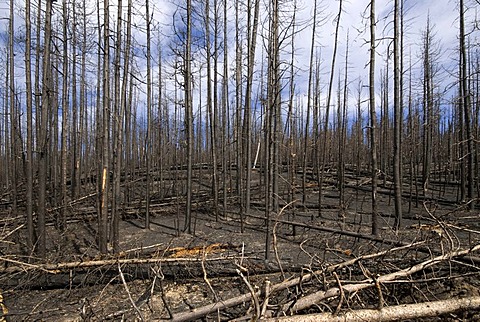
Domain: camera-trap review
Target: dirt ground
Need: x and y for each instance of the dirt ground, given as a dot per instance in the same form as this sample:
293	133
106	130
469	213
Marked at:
218	262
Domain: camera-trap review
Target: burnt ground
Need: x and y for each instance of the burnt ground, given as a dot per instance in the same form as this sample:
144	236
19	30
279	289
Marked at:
217	261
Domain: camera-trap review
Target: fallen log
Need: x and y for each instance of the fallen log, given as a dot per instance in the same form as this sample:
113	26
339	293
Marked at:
391	313
59	267
176	255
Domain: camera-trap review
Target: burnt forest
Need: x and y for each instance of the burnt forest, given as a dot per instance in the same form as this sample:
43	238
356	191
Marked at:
239	160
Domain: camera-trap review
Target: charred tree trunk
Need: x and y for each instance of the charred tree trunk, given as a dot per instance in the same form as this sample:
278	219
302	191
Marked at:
105	146
148	137
306	142
188	118
326	127
44	134
247	120
29	103
397	127
373	120
61	219
465	105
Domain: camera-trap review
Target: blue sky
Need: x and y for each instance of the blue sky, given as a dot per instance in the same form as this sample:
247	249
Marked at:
443	15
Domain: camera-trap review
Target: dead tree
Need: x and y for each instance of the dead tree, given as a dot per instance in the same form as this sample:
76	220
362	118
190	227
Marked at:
61	219
149	134
44	133
373	119
465	105
187	78
29	104
326	126
105	130
398	118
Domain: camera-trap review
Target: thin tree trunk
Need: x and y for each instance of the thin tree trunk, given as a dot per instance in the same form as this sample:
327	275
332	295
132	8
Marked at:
290	128
240	141
427	109
44	137
397	148
75	135
247	131
411	133
148	143
272	116
465	103
225	114
188	118
309	108
98	131
65	115
120	101
211	107
14	142
38	89
373	119
327	110
83	103
384	137
29	103
103	222
6	133
342	130
163	125
215	118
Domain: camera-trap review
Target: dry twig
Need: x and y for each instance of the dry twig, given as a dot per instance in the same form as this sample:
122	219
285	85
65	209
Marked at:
256	302
128	292
342	294
266	293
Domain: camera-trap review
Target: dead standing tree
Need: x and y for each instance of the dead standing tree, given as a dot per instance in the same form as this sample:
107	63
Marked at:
252	30
15	137
309	106
212	105
373	119
119	116
272	110
465	106
104	183
44	133
398	117
61	219
326	126
187	79
29	105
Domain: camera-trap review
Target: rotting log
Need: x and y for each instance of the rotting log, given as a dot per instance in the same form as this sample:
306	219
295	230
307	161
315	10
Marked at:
390	313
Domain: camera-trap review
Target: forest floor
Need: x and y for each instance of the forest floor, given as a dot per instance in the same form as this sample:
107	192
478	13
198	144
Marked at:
165	274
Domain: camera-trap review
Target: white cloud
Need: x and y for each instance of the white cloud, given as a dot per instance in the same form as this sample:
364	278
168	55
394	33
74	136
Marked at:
354	19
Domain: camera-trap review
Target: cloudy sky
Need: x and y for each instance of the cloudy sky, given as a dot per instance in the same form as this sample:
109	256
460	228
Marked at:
442	13
354	21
